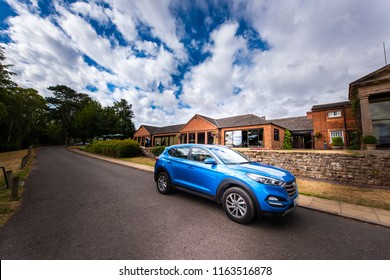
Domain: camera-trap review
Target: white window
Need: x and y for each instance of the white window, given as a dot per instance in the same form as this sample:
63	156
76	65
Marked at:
336	133
334	114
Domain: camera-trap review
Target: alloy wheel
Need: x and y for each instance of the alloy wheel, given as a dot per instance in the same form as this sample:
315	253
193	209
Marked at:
236	205
162	183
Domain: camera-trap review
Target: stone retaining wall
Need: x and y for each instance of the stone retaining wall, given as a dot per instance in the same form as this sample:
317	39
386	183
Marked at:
361	169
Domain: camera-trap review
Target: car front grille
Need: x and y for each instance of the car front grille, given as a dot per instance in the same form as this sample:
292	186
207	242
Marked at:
291	188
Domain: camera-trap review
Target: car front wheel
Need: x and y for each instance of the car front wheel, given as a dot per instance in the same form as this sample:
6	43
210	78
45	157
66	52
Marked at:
163	183
238	205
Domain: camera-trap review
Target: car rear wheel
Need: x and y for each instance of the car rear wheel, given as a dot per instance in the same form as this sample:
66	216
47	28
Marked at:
163	183
238	205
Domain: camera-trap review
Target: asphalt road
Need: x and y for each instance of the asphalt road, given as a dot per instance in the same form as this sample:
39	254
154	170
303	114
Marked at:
76	207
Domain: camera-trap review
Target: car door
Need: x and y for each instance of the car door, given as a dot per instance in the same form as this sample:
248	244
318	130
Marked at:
200	176
178	164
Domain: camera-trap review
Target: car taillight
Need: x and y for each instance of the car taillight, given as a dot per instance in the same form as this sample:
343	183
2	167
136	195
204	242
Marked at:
157	158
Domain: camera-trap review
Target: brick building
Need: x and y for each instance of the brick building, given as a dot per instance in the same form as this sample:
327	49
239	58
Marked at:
316	130
333	120
239	131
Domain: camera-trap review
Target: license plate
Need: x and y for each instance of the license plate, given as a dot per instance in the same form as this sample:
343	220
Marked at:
296	200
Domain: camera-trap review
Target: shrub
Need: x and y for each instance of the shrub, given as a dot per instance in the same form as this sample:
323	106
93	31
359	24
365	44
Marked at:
337	141
287	140
115	148
369	139
157	150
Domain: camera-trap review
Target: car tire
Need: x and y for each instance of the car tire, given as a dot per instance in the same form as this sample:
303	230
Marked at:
238	205
163	183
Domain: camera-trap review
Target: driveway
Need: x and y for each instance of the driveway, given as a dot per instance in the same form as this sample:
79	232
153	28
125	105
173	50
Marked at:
76	207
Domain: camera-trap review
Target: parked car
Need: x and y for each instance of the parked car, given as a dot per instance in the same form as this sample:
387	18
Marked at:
246	189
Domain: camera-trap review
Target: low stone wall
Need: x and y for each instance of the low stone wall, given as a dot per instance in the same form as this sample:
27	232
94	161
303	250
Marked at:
361	168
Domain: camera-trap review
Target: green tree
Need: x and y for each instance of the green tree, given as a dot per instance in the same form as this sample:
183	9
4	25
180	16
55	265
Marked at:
5	74
287	145
125	114
6	86
63	108
24	118
88	121
110	123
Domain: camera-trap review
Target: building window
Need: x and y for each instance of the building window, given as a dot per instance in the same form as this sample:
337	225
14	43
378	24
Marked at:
201	138
336	133
229	138
380	115
334	114
183	138
276	134
210	138
255	137
191	137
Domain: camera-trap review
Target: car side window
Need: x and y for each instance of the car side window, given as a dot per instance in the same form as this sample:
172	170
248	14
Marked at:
179	152
199	154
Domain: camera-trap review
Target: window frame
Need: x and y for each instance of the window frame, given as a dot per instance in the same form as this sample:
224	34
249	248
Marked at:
334	114
336	131
205	151
276	135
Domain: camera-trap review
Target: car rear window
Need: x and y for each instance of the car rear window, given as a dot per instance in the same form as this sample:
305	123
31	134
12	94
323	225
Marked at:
179	152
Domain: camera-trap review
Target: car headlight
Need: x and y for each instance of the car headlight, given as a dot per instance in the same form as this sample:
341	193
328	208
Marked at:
265	180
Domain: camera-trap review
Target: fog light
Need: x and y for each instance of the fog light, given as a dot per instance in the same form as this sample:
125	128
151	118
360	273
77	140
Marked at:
274	201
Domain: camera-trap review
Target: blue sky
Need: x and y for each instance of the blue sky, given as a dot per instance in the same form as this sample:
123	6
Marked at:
172	59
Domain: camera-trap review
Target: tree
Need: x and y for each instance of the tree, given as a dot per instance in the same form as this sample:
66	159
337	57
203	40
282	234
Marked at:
88	121
5	74
110	122
125	114
287	140
64	106
23	119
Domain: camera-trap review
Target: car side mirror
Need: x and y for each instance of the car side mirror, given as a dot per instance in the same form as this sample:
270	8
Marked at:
210	161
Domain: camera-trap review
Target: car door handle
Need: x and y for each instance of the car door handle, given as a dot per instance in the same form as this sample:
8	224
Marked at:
190	167
168	161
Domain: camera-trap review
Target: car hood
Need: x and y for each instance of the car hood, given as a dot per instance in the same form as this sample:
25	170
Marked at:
264	170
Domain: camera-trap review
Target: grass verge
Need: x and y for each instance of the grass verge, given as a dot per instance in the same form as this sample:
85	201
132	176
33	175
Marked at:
11	160
367	196
141	160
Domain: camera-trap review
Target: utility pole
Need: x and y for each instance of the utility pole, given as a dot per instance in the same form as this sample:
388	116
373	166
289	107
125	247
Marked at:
384	51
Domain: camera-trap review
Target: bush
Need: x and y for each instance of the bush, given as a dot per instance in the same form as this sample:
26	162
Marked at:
287	140
337	141
157	150
369	139
115	148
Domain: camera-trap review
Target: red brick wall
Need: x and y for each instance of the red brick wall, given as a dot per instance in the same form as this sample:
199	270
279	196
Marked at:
141	132
198	123
324	124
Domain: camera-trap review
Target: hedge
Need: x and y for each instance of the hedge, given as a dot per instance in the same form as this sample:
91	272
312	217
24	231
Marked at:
115	148
157	150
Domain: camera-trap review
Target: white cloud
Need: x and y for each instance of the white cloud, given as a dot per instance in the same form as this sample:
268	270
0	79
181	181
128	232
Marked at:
316	49
210	85
92	10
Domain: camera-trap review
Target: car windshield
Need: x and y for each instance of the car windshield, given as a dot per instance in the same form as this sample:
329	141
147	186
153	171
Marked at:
228	156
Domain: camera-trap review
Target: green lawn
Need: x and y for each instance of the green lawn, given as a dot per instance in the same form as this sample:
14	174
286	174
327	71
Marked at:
11	161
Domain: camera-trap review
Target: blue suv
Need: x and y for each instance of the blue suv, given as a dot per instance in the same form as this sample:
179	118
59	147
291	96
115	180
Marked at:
244	188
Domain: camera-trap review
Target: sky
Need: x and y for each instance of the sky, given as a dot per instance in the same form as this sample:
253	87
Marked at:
172	59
